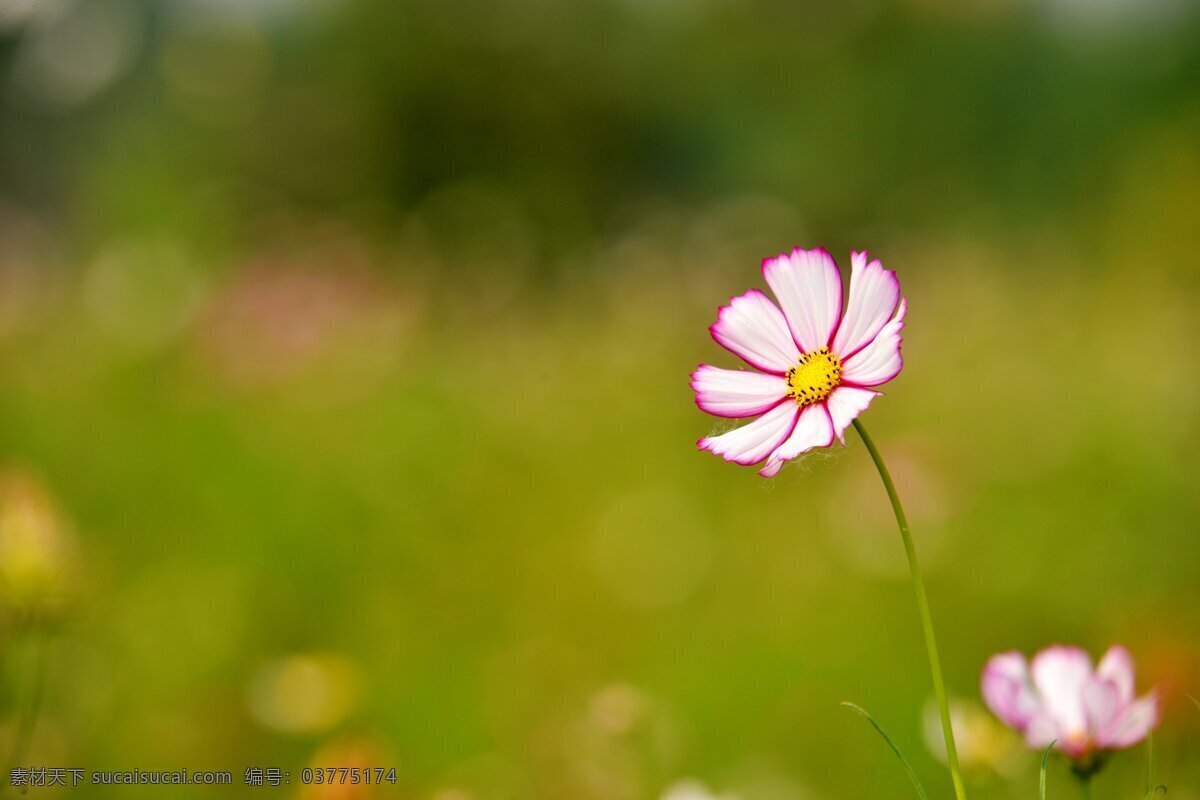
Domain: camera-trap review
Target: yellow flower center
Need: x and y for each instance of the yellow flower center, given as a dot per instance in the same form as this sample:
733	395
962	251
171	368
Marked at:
817	374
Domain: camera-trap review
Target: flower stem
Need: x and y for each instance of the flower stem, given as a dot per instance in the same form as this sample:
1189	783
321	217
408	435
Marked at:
935	664
1149	762
28	714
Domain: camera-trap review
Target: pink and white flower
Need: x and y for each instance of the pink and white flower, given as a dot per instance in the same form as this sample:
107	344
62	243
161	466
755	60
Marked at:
815	367
1059	697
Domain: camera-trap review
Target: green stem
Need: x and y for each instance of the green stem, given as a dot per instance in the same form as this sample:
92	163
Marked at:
935	664
1149	762
28	715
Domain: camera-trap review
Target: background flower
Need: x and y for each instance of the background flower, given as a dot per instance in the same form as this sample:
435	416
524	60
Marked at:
983	743
1059	697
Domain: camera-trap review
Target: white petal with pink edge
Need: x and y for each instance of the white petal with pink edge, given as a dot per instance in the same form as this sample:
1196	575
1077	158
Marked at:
1008	690
1116	665
873	295
813	429
1041	730
880	360
737	392
1059	673
845	403
1132	724
1101	702
754	441
753	327
808	286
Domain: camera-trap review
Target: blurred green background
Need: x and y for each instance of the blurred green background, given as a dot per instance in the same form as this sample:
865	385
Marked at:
344	408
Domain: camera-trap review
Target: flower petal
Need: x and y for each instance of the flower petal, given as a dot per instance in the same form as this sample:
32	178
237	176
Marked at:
753	327
1060	673
873	295
813	429
879	361
1040	731
1101	702
1008	690
754	441
1132	724
1117	666
737	392
809	289
845	403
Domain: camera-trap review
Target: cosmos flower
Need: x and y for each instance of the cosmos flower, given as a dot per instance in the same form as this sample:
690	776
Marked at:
1059	697
814	366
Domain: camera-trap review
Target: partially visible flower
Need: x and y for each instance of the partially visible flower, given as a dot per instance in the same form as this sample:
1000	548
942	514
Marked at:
305	693
815	365
280	317
982	742
691	789
617	708
355	755
36	550
1059	697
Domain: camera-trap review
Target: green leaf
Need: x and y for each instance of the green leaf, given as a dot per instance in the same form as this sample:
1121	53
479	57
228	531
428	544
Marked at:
1150	794
1042	779
912	774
